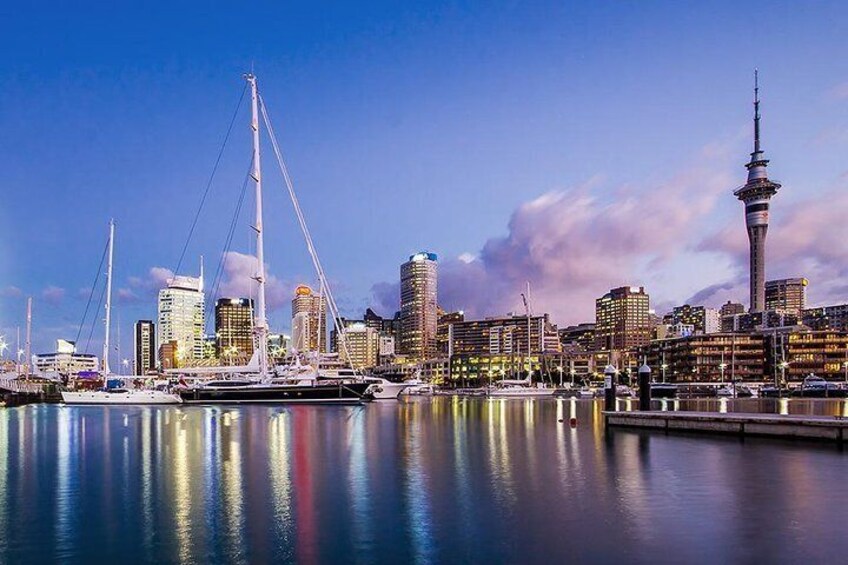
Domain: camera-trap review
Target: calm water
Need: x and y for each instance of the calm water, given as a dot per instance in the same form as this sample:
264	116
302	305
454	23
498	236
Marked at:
427	480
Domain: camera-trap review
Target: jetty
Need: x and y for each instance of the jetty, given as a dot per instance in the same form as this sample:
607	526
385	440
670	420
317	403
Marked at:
830	428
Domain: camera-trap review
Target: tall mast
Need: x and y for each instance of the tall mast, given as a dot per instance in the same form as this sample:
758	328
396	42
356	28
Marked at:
28	346
108	298
260	322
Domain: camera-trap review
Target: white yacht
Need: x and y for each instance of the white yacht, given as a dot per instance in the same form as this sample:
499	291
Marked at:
121	396
118	395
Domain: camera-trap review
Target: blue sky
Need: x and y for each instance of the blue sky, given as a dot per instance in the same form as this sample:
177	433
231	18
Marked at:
468	128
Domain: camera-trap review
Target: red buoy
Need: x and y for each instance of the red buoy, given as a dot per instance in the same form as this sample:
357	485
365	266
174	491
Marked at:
573	422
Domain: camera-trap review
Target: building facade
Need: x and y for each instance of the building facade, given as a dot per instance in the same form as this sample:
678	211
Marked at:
712	358
234	328
309	320
65	360
418	306
823	353
144	347
787	296
827	318
581	335
622	320
182	316
702	319
361	346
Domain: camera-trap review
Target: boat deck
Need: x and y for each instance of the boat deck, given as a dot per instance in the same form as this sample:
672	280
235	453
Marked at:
833	428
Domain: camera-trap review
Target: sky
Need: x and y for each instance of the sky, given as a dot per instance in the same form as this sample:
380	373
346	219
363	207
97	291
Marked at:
575	145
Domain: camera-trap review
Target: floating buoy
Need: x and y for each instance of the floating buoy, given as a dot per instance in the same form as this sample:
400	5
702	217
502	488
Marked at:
573	422
560	420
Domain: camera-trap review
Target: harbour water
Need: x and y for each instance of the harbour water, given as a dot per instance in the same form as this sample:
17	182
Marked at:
425	480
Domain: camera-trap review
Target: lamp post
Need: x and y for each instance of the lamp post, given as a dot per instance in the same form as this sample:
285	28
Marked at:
560	375
783	365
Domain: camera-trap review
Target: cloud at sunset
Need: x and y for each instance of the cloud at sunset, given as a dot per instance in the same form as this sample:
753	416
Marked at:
574	244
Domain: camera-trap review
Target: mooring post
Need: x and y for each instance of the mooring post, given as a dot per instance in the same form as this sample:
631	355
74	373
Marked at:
644	387
609	388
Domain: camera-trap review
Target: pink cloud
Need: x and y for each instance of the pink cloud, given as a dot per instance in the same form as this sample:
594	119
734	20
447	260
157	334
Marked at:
238	281
11	292
574	245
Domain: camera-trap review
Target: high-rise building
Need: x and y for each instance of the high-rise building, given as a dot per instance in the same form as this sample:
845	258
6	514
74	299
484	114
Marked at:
234	328
144	347
787	295
503	336
827	318
702	319
418	307
361	345
622	319
182	316
309	320
756	194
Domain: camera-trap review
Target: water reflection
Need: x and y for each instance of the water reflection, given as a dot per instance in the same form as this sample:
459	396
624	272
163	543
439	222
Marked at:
427	480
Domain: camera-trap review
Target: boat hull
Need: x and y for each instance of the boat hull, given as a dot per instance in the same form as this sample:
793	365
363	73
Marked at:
132	397
528	393
348	393
389	390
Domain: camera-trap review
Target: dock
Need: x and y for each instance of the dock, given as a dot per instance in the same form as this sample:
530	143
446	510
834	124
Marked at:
831	428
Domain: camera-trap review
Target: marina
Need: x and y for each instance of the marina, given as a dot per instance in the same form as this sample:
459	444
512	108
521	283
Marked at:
427	479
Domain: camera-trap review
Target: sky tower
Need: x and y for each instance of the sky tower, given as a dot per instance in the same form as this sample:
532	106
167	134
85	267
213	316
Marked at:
756	194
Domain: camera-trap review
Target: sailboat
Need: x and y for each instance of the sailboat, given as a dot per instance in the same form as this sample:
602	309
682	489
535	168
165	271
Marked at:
116	395
256	383
521	388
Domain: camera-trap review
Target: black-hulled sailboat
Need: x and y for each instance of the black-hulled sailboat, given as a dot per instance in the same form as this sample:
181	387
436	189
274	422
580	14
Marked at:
253	383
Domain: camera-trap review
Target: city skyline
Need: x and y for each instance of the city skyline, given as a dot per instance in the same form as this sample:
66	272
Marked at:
674	228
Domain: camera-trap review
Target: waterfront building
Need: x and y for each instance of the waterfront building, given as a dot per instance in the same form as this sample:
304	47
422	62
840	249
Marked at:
827	317
418	306
505	336
387	347
580	335
787	295
309	320
65	360
622	320
181	315
757	321
823	353
234	328
756	194
443	329
486	368
361	346
702	319
144	347
699	358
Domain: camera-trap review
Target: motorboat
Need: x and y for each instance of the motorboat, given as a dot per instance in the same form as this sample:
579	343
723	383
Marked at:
817	387
384	389
735	391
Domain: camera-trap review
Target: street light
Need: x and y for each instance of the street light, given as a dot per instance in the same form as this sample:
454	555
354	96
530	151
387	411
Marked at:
560	375
721	368
783	365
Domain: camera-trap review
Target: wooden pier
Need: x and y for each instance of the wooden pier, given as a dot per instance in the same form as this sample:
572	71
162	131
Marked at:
832	428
